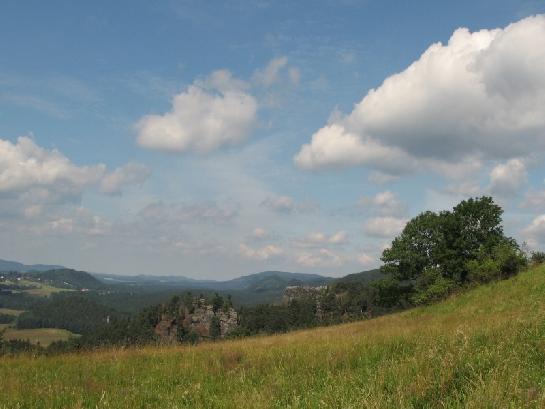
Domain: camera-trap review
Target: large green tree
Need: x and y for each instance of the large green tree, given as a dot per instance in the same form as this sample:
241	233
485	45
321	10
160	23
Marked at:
441	244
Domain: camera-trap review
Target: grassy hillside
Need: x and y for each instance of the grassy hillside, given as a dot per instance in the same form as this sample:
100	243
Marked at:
483	348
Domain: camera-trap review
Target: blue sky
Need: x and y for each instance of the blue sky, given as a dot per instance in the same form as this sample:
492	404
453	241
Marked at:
214	139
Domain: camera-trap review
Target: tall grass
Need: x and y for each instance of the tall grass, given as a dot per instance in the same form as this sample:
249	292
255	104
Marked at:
481	349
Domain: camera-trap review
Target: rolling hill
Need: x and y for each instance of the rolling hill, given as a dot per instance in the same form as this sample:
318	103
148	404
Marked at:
15	266
482	349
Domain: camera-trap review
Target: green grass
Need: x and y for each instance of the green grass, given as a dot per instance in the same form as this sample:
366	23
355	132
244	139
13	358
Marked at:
42	336
481	349
40	289
36	288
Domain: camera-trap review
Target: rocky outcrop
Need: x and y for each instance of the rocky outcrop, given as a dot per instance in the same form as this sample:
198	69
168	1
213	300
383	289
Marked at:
167	329
198	319
297	292
307	293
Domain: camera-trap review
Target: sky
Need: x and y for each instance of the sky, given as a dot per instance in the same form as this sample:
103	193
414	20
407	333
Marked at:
216	139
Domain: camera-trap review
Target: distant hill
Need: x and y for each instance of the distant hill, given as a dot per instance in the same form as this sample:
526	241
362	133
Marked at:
266	280
66	278
271	280
6	265
363	277
259	288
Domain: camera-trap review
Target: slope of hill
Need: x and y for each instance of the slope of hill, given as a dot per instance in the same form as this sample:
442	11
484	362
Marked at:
6	265
363	277
483	348
67	278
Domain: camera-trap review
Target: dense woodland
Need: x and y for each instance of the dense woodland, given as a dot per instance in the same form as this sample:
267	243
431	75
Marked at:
436	254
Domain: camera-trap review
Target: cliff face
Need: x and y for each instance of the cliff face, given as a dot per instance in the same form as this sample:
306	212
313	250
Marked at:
199	319
309	294
303	292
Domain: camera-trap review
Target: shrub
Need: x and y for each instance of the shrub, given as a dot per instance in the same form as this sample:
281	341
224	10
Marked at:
483	271
505	260
537	257
432	286
6	319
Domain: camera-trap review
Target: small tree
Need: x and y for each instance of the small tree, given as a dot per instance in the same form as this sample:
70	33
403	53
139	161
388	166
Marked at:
217	302
537	257
215	328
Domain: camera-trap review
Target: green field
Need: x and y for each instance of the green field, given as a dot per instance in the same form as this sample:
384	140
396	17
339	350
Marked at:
40	289
9	311
481	349
36	288
43	336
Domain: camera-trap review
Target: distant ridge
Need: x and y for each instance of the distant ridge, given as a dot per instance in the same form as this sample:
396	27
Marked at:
6	265
263	281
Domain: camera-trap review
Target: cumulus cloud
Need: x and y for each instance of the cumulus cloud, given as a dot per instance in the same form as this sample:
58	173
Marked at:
287	205
534	200
366	260
173	214
281	204
319	239
259	233
506	179
129	174
269	75
32	177
535	232
386	203
384	227
25	166
76	221
209	114
261	253
319	258
480	96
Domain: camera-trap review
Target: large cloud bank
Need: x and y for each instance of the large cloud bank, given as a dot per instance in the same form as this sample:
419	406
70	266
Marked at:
481	96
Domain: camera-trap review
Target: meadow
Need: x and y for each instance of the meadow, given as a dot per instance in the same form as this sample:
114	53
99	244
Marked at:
483	348
41	336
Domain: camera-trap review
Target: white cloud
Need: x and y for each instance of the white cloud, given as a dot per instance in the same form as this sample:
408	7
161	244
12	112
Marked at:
366	260
174	214
334	147
319	239
534	200
479	97
320	258
207	115
35	180
506	179
270	74
280	204
535	232
259	233
25	166
131	173
386	227
261	253
386	203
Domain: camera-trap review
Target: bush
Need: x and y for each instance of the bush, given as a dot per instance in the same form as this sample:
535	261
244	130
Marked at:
432	286
6	319
483	271
505	260
537	257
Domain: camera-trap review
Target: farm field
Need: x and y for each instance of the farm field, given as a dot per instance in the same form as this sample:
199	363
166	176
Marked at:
482	348
43	336
9	311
